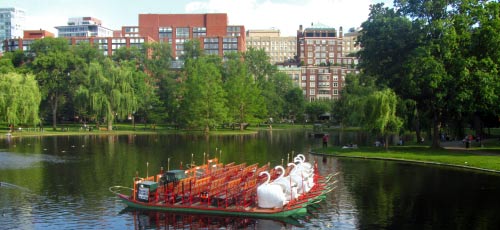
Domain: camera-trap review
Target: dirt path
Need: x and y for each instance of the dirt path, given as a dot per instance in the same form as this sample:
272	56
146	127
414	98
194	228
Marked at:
460	146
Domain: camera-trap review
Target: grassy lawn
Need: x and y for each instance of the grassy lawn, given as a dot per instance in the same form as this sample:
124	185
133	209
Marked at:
487	158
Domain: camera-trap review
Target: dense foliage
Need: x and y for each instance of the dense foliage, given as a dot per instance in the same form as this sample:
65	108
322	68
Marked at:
63	83
440	58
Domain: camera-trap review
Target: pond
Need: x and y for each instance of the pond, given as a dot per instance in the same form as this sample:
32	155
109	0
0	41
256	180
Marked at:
62	183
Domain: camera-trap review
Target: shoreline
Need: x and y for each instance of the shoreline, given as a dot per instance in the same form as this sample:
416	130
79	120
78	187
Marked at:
486	170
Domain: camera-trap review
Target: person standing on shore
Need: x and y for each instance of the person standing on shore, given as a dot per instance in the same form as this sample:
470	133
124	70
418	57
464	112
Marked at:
325	140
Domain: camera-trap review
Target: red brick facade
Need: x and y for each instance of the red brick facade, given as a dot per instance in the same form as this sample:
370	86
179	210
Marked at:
176	28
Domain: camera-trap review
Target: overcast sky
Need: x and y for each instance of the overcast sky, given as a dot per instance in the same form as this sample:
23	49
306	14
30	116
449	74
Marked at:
285	15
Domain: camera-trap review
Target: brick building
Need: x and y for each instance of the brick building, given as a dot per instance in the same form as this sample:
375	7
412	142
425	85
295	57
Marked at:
212	30
323	66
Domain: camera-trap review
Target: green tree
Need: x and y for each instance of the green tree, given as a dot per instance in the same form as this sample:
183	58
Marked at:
317	108
244	100
380	114
295	103
19	99
111	90
275	91
157	58
53	66
192	49
204	100
6	66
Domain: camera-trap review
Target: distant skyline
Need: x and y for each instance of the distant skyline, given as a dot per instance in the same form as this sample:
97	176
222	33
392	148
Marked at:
285	15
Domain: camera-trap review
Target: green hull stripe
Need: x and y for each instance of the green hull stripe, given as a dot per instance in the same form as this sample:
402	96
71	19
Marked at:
295	212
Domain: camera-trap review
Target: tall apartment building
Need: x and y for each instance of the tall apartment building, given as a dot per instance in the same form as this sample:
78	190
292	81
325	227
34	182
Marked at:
279	49
349	45
323	65
83	27
212	30
11	23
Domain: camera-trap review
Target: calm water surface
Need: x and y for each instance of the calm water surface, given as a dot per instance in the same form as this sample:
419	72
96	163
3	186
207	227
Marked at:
62	183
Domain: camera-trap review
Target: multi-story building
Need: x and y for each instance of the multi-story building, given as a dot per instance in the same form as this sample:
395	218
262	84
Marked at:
212	30
108	45
11	23
349	45
323	65
24	43
279	49
293	71
84	27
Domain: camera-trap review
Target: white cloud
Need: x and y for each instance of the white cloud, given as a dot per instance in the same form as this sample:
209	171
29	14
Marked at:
286	15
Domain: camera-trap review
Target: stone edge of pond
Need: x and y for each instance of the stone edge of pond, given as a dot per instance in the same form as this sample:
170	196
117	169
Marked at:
411	161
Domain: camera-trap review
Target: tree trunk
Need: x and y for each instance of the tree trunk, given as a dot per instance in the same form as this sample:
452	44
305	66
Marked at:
110	124
53	104
417	126
436	126
478	125
386	142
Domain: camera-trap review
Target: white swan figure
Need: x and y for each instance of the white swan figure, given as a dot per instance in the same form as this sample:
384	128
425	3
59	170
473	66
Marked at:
306	164
270	195
286	182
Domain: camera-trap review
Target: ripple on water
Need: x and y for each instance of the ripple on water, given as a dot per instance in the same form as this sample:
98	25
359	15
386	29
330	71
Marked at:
19	161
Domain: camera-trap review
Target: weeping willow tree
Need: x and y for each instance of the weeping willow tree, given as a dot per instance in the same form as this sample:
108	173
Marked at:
380	114
110	91
19	99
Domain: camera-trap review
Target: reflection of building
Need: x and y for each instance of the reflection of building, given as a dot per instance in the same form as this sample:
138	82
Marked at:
279	49
11	23
212	30
323	65
84	27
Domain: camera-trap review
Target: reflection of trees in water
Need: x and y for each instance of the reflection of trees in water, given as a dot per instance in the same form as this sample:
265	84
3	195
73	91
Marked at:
168	220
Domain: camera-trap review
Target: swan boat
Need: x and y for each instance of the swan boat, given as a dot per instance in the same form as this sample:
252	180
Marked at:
231	189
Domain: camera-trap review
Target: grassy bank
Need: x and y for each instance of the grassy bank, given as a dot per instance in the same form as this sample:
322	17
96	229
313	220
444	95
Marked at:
486	158
125	129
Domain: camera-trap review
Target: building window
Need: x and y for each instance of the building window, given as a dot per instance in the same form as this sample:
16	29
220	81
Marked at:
312	84
312	78
312	92
335	92
165	32
182	32
199	32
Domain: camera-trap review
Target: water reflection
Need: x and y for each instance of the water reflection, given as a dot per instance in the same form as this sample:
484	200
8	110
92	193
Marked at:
67	179
168	220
